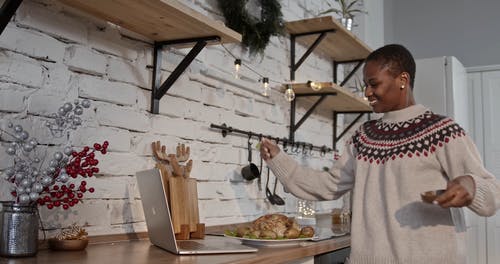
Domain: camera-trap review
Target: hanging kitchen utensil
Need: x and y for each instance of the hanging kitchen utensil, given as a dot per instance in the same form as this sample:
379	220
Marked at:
250	171
269	194
259	180
277	199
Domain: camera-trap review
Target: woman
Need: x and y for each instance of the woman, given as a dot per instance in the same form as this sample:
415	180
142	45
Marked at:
388	163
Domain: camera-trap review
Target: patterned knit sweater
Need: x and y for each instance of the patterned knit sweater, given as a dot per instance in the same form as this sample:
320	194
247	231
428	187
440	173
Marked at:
387	163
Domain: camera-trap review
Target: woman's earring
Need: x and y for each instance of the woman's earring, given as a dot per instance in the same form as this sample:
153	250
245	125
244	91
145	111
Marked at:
402	87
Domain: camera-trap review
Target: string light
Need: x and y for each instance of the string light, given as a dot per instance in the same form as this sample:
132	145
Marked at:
265	86
316	86
289	93
237	66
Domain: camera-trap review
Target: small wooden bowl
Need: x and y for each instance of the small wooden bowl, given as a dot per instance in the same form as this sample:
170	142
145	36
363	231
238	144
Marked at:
71	245
430	196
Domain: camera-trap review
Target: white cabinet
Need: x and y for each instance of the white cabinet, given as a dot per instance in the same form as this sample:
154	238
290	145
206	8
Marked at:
484	84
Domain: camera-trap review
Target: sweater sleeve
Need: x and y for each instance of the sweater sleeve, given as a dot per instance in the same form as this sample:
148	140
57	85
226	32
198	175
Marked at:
460	157
309	184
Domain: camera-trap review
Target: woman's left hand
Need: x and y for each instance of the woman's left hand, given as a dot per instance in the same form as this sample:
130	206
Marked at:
459	192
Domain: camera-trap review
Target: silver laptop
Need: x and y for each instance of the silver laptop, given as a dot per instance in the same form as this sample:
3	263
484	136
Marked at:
159	222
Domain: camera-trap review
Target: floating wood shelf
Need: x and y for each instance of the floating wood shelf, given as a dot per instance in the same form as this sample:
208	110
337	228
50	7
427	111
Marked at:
338	99
340	46
327	37
167	23
158	20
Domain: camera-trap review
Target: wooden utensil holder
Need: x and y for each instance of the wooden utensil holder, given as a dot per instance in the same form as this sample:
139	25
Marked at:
184	208
180	190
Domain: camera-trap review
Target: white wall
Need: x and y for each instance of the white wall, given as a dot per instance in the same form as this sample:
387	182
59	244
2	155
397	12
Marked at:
51	54
461	28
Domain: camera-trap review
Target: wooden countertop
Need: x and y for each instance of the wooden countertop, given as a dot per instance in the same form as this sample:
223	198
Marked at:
142	251
139	251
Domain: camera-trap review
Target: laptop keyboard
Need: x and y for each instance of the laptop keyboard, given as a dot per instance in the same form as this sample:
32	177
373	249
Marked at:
191	245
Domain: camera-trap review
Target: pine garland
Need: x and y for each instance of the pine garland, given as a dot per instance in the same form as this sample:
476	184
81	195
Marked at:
256	33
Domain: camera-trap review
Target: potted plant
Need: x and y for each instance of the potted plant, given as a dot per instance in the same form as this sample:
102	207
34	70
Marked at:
347	11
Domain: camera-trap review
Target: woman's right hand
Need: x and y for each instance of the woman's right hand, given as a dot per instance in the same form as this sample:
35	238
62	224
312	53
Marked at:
268	149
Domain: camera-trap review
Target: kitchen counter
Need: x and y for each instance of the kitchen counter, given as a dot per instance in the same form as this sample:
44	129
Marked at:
142	251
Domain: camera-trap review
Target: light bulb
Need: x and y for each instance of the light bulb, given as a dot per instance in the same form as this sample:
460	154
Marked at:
237	66
265	86
314	85
289	93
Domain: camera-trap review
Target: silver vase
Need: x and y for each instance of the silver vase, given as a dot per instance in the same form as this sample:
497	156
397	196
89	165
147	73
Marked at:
18	230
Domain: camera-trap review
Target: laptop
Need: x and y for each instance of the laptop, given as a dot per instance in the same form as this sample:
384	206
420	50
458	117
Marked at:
159	222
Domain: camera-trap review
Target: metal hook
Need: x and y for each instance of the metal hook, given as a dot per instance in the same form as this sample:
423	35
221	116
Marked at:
323	151
311	149
296	147
304	151
248	142
285	145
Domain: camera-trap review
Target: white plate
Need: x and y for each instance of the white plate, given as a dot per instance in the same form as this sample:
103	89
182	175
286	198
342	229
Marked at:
272	242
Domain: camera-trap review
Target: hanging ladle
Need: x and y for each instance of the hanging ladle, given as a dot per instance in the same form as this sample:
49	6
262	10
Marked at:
277	199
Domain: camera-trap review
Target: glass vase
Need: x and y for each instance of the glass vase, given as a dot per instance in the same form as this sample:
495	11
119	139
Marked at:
306	212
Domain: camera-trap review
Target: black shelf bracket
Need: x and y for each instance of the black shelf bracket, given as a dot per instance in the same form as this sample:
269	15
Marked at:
294	66
311	110
335	115
7	11
350	74
159	90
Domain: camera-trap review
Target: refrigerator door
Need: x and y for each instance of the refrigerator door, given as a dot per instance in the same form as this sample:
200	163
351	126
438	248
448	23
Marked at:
460	105
430	84
441	85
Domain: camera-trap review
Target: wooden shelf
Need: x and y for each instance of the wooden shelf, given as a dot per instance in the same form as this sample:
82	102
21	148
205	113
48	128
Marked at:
340	46
158	20
343	101
167	23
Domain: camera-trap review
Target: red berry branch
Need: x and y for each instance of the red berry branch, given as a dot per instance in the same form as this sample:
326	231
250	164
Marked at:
82	164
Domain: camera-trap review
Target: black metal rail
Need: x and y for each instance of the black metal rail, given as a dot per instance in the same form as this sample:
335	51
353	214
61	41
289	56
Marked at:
295	146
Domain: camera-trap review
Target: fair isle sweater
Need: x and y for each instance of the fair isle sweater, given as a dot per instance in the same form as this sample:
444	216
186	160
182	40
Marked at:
387	163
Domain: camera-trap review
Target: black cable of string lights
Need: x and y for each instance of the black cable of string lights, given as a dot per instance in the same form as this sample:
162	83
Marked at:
261	77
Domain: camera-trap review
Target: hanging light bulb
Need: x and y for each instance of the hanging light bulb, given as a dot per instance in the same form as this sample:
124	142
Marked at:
237	66
289	93
314	85
265	86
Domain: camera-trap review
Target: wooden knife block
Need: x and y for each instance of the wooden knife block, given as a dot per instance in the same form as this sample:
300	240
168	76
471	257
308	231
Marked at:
183	201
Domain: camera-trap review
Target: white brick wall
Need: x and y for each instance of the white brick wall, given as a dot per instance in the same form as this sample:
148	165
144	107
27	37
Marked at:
50	54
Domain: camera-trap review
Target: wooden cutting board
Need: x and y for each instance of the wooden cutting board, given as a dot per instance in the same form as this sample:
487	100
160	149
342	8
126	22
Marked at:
194	215
179	202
